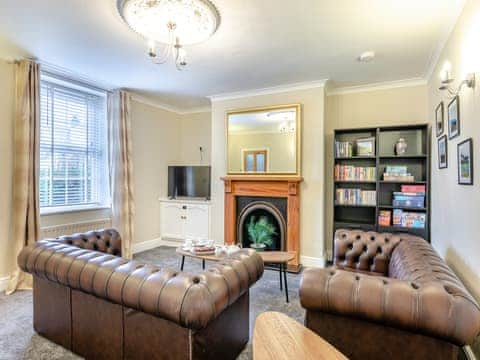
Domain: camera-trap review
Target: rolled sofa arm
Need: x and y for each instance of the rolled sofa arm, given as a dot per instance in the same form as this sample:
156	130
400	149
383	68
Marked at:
187	299
428	308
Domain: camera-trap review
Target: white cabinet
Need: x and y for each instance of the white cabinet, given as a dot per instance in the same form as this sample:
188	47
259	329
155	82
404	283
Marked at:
182	219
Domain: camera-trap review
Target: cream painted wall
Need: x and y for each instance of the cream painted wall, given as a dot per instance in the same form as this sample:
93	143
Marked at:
406	105
456	208
312	202
281	150
7	87
156	136
196	132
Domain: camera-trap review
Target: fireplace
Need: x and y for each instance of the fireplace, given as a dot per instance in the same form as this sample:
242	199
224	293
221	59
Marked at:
252	212
275	197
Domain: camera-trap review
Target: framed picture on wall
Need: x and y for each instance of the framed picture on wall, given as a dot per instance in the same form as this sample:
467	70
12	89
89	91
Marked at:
439	121
442	152
454	118
465	162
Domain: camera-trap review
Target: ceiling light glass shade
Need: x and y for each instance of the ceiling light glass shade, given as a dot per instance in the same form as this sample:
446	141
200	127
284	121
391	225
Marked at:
189	21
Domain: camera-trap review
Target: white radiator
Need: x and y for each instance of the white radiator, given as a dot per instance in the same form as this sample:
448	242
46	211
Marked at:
52	232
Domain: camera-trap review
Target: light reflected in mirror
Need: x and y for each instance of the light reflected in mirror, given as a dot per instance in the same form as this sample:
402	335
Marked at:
264	141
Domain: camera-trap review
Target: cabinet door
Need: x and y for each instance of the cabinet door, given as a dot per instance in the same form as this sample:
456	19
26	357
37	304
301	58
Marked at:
196	222
172	220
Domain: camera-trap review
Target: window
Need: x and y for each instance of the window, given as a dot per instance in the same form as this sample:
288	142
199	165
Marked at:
73	147
255	160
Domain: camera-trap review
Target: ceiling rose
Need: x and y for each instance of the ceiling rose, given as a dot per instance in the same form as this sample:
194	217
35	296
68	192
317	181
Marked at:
173	23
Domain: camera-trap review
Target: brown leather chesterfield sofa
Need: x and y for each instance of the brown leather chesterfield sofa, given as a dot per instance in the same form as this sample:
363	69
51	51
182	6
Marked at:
389	297
101	306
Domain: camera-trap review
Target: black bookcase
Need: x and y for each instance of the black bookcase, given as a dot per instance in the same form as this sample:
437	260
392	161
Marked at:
417	160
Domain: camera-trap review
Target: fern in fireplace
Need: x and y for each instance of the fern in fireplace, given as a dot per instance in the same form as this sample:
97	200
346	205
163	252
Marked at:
261	232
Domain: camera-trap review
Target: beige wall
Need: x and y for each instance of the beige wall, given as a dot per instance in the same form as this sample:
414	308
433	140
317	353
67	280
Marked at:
406	105
456	208
156	136
196	132
312	204
7	88
281	150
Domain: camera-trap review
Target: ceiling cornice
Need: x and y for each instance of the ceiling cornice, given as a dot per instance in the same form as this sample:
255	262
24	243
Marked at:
377	86
170	108
269	90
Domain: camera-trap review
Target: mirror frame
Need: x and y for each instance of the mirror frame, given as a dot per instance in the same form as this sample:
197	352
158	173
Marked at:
298	124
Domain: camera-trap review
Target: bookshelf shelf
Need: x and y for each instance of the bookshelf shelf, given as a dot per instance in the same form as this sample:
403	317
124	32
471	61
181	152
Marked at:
416	159
355	182
355	206
409	208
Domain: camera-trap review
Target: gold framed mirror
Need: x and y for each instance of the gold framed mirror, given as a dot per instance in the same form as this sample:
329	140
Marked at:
264	140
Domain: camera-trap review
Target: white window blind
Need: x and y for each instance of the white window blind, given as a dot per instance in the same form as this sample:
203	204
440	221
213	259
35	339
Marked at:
73	146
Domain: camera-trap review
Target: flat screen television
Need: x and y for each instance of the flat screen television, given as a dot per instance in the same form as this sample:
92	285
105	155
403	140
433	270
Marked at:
189	181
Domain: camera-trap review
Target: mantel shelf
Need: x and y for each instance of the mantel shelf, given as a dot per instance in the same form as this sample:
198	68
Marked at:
276	178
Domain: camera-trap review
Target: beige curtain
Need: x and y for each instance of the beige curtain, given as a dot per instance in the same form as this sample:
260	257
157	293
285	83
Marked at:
121	169
26	218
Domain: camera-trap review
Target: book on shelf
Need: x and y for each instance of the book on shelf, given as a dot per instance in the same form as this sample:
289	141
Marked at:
356	197
354	173
413	188
397	173
384	217
409	199
409	219
343	149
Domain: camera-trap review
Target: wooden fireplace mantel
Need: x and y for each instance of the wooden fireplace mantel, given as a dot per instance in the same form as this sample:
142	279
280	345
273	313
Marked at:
265	186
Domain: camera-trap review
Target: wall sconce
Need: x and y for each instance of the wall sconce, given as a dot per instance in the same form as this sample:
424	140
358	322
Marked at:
447	80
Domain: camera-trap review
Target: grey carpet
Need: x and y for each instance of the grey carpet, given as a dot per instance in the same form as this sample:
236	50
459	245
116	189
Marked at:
19	341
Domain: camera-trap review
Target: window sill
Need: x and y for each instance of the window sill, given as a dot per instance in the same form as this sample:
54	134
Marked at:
71	209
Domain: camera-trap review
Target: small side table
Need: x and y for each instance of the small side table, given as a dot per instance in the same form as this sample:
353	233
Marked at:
184	253
278	337
280	258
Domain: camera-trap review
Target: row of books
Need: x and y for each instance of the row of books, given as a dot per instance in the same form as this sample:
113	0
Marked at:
356	197
402	218
411	196
343	149
354	173
397	173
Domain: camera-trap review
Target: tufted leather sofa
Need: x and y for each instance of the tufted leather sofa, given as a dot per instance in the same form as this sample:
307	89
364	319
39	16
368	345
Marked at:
102	306
389	296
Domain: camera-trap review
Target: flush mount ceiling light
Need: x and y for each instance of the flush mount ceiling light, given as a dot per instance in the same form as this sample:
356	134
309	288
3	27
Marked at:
366	56
171	24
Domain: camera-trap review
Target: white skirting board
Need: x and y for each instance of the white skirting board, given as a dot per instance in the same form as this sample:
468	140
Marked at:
308	261
152	244
4	283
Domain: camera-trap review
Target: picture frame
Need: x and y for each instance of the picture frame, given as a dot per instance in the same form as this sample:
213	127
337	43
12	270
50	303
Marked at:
442	152
365	146
454	118
465	162
439	119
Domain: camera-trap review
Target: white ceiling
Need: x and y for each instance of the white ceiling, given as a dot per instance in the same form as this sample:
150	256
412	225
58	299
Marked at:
259	44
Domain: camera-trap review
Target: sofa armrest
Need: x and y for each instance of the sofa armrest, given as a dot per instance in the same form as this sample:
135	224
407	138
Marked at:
191	300
428	308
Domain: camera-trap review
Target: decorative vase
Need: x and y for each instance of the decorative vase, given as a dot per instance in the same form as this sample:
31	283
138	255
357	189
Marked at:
401	146
258	247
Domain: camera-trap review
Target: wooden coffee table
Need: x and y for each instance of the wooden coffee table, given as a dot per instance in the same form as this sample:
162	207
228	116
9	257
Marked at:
278	337
184	253
281	259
